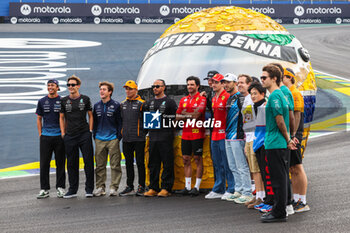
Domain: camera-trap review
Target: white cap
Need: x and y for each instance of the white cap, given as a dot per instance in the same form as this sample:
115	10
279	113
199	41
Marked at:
230	77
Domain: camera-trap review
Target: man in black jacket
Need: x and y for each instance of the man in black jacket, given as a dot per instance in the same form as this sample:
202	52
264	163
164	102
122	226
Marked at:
161	143
133	138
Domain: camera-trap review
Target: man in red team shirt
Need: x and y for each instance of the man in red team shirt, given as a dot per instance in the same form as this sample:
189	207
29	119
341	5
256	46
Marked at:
220	164
192	109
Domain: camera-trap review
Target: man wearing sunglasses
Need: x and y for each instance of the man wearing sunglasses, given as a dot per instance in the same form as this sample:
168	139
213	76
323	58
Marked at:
277	142
290	100
48	112
161	143
77	134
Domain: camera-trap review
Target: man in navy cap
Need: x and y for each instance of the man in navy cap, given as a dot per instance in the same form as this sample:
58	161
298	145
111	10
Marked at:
48	109
211	93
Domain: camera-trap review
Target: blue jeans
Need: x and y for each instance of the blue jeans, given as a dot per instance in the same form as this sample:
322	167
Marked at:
239	166
221	168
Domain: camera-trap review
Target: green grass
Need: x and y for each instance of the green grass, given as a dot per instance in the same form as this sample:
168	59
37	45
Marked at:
324	84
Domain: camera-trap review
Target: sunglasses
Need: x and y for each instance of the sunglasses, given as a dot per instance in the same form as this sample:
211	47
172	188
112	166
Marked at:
71	84
157	86
263	78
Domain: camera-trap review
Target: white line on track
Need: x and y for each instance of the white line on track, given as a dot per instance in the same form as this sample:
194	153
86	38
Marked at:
335	76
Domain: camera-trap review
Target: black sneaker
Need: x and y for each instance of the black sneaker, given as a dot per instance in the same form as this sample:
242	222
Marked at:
270	218
70	194
140	191
194	192
89	194
127	192
184	191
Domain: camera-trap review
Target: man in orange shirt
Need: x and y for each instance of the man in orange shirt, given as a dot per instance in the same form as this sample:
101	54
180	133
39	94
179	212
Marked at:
299	179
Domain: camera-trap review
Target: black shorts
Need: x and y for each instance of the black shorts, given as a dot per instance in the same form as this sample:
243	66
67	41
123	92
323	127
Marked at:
189	146
295	156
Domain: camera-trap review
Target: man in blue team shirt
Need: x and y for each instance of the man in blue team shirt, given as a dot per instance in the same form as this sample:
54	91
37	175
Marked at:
107	134
235	142
48	109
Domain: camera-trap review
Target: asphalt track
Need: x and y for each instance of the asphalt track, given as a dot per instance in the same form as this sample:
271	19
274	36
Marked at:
326	161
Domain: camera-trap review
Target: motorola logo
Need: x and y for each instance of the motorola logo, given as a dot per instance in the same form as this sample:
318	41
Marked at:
13	20
26	9
55	20
137	20
164	10
299	10
296	21
97	20
338	21
96	10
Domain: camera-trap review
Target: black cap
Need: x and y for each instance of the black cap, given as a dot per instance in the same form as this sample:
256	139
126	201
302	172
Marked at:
211	74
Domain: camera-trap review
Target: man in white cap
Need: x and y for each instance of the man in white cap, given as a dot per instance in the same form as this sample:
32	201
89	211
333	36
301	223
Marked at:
235	142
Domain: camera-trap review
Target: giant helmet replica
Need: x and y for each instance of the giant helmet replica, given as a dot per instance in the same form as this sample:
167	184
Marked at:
229	40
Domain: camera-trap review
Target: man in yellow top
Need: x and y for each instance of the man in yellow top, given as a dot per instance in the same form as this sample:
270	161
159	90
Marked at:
299	179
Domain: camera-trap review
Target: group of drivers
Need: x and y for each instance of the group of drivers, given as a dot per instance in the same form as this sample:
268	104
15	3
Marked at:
254	139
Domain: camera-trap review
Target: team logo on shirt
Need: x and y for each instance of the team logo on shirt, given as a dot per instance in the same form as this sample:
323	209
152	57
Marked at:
69	106
81	105
223	97
195	130
151	120
184	105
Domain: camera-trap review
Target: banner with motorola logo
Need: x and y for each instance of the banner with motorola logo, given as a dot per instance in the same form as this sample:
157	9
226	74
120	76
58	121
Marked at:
166	13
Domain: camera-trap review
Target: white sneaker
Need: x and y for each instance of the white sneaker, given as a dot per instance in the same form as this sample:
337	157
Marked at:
234	196
226	195
99	192
289	210
213	195
243	199
113	192
43	194
60	192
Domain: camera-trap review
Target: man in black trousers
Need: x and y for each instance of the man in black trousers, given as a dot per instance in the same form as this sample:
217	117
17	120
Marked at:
48	114
161	143
277	142
77	134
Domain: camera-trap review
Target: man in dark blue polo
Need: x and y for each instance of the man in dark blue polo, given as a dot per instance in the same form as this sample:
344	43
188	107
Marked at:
48	110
